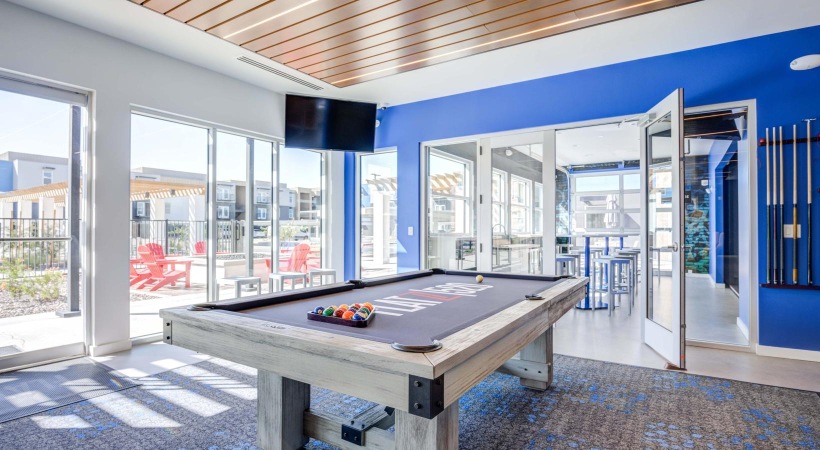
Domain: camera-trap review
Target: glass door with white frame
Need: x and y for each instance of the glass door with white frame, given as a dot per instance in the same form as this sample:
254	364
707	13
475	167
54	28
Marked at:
43	137
378	218
662	149
517	202
451	206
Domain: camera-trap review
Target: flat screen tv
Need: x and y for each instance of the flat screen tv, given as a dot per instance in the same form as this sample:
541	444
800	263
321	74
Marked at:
325	124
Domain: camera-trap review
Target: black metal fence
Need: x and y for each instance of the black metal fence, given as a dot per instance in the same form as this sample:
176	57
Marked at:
186	237
30	247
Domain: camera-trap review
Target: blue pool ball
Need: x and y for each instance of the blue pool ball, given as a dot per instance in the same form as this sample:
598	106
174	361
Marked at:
358	317
319	310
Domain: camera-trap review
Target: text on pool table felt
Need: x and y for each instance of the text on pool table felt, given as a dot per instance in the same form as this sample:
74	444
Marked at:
419	299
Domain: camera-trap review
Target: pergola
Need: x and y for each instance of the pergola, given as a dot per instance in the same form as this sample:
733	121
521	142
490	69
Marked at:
440	184
140	190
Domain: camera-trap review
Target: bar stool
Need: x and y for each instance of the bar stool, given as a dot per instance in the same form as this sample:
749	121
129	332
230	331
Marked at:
321	273
617	282
277	280
634	255
566	265
577	257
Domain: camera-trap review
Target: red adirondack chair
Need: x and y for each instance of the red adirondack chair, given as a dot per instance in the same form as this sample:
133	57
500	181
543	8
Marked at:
158	278
156	250
298	258
138	275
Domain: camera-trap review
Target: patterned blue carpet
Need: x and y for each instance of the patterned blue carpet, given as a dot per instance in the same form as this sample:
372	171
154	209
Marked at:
592	405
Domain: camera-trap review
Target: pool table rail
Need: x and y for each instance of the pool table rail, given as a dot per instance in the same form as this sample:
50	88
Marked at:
424	388
357	367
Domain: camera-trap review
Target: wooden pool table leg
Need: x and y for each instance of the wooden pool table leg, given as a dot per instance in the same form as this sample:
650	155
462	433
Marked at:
281	403
539	351
418	433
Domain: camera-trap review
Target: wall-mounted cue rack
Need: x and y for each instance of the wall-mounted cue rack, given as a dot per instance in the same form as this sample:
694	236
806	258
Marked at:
784	224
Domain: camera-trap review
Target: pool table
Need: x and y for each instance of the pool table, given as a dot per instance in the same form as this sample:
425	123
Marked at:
434	335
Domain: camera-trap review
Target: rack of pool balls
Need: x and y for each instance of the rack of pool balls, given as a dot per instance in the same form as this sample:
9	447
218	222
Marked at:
356	315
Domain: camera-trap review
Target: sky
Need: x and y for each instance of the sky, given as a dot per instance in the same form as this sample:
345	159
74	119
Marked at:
33	125
170	145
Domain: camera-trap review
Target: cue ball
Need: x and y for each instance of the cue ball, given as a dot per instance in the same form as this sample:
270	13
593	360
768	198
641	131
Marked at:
479	278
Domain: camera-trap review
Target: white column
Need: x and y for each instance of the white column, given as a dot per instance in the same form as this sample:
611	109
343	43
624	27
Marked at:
47	224
6	216
24	210
157	229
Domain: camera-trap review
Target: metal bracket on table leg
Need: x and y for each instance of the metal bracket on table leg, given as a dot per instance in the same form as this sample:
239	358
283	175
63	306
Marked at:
167	331
378	416
426	396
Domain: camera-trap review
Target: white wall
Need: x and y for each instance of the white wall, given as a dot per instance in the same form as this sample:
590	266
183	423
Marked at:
29	174
121	75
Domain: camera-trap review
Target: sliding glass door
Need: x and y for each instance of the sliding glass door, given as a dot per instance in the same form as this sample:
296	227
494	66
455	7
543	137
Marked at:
169	224
194	230
43	141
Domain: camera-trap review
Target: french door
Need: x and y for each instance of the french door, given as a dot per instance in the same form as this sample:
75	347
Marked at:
485	204
663	286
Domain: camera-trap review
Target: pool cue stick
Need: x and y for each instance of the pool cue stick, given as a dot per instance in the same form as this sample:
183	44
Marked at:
808	199
794	205
774	207
768	215
782	216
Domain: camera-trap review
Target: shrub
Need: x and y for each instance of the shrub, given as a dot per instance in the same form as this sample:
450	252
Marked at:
44	288
15	282
48	285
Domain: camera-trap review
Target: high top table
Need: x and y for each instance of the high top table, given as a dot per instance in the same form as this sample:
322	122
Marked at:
586	303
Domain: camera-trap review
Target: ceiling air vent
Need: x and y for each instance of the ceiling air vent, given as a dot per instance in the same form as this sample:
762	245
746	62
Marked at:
278	72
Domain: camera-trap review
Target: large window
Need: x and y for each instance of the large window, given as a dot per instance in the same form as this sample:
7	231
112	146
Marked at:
377	214
499	197
605	202
169	226
520	205
451	206
301	182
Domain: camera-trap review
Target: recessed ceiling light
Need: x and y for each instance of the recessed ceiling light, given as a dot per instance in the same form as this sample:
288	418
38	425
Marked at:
270	18
485	44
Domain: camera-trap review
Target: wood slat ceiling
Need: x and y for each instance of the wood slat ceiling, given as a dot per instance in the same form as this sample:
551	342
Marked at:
346	42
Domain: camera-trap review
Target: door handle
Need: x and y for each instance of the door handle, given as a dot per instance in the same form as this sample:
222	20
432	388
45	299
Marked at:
673	247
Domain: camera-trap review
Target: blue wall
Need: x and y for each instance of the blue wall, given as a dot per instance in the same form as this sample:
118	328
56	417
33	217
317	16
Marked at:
6	176
750	69
718	159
